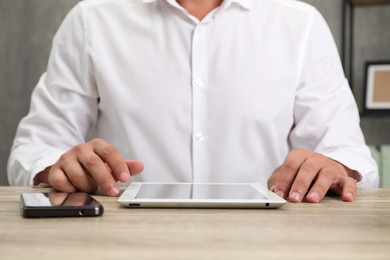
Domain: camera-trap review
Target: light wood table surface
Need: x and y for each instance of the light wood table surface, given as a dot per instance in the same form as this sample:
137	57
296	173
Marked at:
331	229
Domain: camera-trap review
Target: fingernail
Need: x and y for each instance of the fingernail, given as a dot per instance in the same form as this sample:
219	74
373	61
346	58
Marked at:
114	191
124	176
314	196
280	194
295	196
272	188
349	196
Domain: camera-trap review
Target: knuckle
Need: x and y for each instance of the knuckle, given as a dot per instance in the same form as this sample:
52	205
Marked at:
92	161
108	150
58	183
97	141
94	140
64	158
291	165
328	174
310	166
79	148
322	159
299	150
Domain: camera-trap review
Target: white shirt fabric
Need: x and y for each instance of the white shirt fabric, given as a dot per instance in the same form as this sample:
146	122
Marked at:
218	100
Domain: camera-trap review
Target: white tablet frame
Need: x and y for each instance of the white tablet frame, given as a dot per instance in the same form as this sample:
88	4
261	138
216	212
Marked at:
128	198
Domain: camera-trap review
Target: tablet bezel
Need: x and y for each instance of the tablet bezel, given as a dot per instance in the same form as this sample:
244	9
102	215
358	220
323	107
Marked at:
128	198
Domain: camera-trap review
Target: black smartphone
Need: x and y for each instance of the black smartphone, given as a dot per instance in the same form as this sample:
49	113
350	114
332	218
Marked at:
59	204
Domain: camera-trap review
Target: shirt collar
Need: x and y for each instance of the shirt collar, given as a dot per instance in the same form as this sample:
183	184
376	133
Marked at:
247	4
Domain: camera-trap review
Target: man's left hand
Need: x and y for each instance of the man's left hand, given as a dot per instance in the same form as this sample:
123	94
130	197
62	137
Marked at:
312	175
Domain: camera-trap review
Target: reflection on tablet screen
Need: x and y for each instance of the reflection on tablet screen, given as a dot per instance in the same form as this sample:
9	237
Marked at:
198	191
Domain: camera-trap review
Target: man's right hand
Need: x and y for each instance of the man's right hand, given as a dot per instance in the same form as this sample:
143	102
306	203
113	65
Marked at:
86	167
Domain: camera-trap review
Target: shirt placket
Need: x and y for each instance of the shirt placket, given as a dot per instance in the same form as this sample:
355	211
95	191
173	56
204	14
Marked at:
200	135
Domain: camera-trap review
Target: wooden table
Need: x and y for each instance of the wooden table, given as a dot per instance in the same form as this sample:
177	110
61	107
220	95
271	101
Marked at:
331	229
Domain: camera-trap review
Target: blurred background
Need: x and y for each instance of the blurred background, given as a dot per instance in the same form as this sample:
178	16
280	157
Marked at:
27	28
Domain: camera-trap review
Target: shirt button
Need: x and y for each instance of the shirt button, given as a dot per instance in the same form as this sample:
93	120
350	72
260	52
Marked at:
199	30
199	82
199	137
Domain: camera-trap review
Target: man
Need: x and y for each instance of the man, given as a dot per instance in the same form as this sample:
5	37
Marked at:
199	91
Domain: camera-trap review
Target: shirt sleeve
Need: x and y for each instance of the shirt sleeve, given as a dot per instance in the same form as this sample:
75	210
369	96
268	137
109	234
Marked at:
326	116
63	106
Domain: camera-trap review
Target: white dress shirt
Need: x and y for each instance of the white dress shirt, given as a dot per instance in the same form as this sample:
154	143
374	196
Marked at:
218	100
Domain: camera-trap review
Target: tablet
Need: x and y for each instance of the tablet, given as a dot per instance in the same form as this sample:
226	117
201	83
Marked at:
199	195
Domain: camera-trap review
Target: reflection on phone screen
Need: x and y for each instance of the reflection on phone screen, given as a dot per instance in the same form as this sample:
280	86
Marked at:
58	199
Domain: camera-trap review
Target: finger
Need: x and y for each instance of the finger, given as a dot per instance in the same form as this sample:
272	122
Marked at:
349	190
308	171
79	177
325	179
135	167
272	180
113	159
59	181
289	170
99	172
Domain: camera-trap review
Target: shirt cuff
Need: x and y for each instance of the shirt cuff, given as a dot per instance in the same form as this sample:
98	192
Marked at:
41	164
365	166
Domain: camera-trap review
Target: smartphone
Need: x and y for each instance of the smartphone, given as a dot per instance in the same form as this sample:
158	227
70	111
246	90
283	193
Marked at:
59	204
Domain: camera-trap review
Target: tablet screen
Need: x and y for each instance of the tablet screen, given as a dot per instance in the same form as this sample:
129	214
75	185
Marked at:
199	191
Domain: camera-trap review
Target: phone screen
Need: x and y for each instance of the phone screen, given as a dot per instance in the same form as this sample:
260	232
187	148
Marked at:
58	204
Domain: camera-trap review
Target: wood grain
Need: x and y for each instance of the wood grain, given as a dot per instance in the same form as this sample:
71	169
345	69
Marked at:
329	230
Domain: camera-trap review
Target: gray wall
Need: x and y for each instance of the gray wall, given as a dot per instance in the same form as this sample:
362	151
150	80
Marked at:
27	27
26	30
372	43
